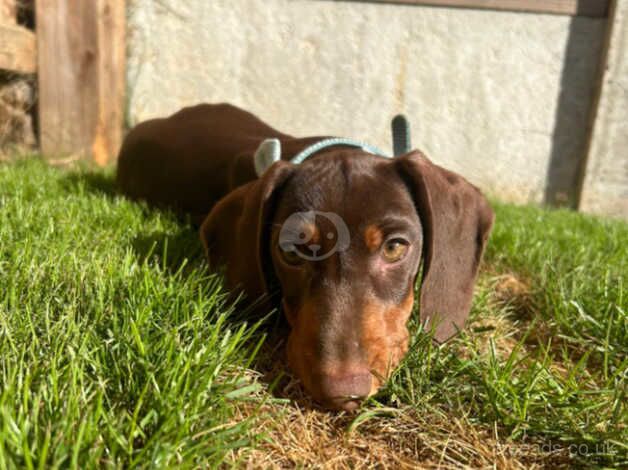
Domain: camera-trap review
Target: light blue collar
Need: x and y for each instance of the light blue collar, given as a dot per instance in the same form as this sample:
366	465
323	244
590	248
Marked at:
269	151
323	144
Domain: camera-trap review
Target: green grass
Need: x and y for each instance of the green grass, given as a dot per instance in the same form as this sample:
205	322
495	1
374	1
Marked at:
111	353
563	381
118	348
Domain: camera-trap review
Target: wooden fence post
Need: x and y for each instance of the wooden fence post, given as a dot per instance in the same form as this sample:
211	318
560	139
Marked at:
604	174
81	74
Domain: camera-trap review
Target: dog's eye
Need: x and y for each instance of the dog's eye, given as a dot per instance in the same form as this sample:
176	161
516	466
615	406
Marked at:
394	249
291	257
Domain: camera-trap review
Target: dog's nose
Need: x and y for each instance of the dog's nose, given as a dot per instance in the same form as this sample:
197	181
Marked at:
345	391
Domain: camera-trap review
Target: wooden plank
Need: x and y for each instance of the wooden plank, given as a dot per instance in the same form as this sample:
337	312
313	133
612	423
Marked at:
592	8
81	77
8	11
112	84
18	49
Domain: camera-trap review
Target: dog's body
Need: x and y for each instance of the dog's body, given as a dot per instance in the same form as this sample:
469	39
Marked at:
347	311
190	160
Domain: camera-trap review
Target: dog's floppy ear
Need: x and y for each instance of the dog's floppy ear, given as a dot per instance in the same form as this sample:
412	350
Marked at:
457	220
235	233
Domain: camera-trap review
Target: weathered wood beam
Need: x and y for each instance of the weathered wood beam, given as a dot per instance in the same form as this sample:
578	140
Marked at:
604	171
592	8
81	72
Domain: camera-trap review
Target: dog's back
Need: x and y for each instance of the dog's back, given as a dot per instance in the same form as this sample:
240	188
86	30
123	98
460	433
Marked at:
192	158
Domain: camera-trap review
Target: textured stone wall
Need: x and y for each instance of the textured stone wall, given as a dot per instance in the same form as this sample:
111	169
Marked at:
18	93
17	98
488	93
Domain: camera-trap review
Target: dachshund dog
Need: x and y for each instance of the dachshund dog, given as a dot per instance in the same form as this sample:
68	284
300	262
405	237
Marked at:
336	241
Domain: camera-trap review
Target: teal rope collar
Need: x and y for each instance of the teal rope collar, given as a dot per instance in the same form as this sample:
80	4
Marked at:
269	150
323	144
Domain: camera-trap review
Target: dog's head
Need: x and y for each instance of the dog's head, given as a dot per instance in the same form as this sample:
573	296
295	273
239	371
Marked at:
341	238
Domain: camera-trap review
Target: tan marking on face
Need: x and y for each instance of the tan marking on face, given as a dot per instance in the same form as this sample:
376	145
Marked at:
301	347
385	336
384	341
373	238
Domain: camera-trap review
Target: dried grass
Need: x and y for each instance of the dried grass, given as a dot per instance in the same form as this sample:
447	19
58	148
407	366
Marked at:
297	436
296	433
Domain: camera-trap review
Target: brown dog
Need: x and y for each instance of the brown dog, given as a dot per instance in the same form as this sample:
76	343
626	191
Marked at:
373	219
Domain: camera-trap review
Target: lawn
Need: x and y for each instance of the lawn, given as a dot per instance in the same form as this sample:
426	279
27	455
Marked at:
118	348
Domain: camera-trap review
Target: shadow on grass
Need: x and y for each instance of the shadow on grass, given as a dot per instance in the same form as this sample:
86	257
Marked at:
171	250
91	181
182	252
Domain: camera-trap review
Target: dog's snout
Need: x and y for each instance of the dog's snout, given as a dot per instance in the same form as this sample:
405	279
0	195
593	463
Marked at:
345	391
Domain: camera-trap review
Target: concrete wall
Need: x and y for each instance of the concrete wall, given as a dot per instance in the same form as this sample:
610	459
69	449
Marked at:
489	94
605	188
